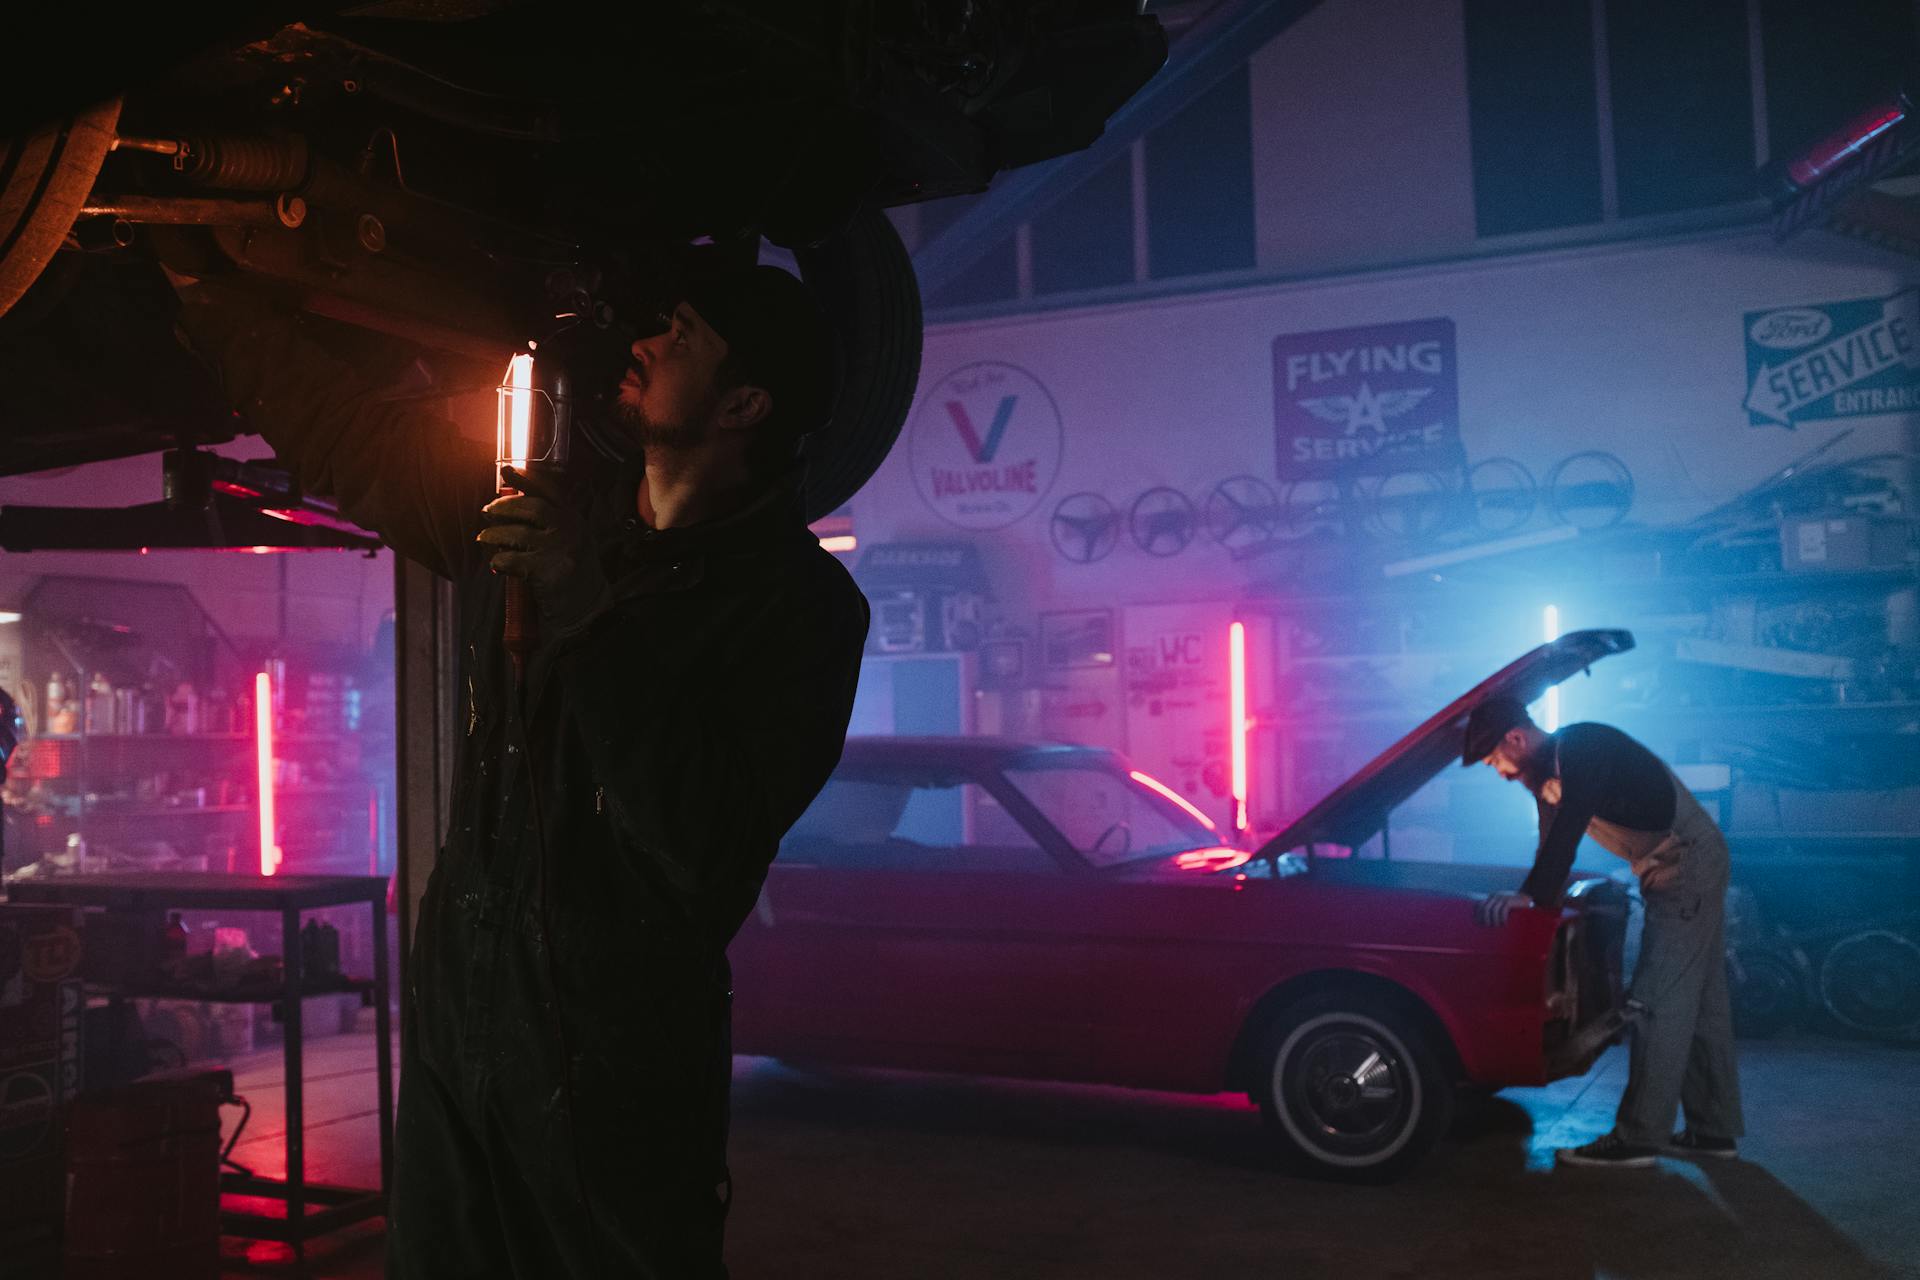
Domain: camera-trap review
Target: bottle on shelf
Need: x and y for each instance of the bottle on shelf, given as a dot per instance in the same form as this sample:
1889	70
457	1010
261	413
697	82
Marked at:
126	709
174	941
100	704
183	709
215	713
319	949
60	714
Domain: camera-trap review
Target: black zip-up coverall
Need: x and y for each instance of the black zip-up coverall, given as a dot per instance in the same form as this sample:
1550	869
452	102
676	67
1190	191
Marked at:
663	747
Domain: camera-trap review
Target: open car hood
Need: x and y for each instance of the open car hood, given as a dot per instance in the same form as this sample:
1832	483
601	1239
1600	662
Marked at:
1356	810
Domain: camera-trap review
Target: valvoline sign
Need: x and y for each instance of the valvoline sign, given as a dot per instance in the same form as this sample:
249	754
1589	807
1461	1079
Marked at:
1835	360
985	445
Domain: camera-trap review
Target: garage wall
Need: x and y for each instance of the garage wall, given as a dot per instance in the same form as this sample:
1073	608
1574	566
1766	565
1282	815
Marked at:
1634	348
1361	150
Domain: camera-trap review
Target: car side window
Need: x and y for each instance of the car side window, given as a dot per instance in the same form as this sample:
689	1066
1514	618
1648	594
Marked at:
908	822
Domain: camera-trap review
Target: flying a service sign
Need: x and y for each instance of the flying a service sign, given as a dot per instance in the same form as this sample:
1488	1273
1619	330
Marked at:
1372	399
985	445
1835	360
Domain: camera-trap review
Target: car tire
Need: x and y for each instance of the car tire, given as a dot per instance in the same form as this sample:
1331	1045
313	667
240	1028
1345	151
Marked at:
1335	1125
1768	988
866	285
45	177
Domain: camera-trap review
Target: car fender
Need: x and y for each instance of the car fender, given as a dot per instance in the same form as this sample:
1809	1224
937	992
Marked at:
1499	1050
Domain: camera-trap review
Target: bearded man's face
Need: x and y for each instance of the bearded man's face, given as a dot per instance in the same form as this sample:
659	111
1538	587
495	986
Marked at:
668	398
1518	759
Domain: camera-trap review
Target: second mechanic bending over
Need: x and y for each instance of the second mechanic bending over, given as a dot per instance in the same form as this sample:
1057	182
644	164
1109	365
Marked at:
1593	780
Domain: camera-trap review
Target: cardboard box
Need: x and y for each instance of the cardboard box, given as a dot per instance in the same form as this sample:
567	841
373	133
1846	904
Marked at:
1824	544
40	1009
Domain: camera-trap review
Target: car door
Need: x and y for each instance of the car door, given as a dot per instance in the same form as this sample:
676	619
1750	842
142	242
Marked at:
1174	957
910	920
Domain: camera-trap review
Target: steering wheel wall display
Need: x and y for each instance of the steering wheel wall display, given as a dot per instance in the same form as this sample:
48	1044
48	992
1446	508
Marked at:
1244	514
1084	528
1502	493
1162	521
1404	505
1306	505
1242	511
1590	490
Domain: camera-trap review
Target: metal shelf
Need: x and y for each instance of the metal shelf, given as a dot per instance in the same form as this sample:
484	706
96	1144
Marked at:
279	739
1395	655
1773	711
1764	581
1332	716
109	815
273	993
1864	837
309	1208
1412	589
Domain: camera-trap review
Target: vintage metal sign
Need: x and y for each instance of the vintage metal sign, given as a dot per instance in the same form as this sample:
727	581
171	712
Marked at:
1373	399
985	445
1834	360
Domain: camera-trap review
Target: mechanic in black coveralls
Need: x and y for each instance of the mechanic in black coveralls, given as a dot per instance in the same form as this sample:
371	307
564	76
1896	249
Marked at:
1593	780
688	698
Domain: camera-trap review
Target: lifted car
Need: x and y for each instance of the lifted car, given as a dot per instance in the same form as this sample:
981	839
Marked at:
461	175
1040	910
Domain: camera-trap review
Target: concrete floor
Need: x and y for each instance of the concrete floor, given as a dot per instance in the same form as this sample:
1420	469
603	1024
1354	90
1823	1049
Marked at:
882	1174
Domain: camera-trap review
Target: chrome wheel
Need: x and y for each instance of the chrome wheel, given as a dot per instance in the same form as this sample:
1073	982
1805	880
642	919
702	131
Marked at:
1357	1092
1346	1089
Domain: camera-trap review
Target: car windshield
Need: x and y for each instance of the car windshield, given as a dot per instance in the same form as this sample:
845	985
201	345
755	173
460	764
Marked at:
1110	816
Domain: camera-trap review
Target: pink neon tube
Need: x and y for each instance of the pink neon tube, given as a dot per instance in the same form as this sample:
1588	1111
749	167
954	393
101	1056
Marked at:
1147	780
1237	693
263	747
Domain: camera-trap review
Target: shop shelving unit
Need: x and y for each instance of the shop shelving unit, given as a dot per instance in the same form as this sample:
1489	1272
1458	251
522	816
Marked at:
306	1209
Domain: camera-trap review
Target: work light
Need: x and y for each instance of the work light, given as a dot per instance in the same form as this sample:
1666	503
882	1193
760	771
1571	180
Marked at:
531	426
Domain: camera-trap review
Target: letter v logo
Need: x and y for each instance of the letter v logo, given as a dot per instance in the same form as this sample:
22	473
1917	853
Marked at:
982	453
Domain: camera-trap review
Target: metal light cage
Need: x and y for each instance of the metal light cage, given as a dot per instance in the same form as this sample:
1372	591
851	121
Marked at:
531	417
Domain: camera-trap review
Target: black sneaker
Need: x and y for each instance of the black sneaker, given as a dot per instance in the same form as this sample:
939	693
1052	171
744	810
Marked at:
1609	1150
1687	1142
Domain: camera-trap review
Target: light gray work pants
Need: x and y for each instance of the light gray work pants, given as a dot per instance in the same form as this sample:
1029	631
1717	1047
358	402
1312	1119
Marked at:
1682	1053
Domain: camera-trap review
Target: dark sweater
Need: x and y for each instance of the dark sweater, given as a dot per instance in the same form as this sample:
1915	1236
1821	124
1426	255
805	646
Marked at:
1603	774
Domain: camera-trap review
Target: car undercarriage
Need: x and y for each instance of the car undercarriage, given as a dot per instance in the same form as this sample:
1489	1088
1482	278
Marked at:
434	184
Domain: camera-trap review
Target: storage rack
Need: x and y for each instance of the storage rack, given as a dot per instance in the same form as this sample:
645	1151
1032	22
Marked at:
310	1208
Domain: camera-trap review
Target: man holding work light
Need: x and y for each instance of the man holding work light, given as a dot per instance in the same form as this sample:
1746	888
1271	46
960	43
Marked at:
563	1109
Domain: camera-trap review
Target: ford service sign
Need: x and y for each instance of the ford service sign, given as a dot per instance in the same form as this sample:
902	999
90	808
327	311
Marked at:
1378	398
1835	360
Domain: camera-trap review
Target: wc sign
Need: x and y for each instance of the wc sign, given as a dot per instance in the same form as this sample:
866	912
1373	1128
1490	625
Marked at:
1186	650
985	445
1162	661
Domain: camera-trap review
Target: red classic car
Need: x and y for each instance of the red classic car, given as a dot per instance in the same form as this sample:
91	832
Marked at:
1038	910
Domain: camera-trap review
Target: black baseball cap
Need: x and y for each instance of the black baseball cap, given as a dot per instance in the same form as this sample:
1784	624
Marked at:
773	325
1488	724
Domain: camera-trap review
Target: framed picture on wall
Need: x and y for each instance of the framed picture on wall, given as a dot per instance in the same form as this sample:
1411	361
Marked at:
1076	638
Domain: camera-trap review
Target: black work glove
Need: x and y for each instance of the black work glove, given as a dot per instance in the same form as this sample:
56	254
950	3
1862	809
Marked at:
538	535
